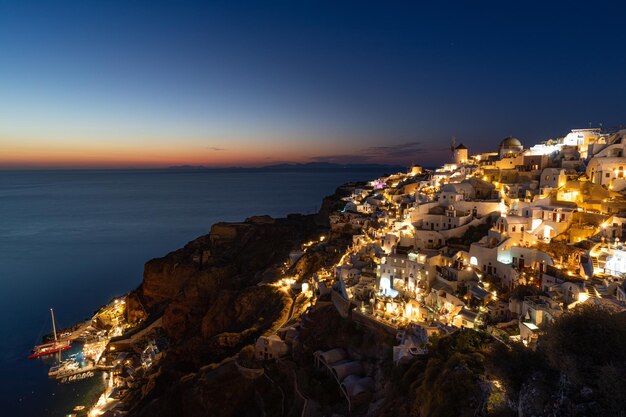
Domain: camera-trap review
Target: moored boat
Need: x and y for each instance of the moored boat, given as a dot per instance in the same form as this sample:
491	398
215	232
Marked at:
51	347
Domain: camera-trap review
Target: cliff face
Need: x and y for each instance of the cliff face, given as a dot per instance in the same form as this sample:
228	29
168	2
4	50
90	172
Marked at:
214	298
231	256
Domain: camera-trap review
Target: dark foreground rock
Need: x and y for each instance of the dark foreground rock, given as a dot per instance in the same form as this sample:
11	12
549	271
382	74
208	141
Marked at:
215	296
213	301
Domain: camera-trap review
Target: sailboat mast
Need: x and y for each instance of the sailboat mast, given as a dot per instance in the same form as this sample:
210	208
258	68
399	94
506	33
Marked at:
54	327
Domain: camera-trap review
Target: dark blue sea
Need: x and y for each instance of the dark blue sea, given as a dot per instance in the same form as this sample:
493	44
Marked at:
76	239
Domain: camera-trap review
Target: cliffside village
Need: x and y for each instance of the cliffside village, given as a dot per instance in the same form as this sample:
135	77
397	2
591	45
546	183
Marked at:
502	242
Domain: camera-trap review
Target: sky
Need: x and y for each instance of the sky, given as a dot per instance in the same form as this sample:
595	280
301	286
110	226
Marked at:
154	84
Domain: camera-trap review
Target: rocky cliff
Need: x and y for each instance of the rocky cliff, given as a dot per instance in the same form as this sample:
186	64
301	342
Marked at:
215	296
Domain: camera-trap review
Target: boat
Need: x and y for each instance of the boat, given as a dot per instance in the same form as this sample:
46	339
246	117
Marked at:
67	367
57	345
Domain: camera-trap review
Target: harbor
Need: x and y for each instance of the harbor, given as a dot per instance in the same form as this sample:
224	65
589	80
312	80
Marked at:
91	336
104	345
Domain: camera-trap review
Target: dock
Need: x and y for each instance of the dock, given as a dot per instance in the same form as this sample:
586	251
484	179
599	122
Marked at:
75	374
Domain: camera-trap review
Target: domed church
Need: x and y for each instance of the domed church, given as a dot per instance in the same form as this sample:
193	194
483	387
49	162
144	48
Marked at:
510	147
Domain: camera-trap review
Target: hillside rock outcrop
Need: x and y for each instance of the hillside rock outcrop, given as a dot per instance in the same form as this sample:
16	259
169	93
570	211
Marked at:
215	296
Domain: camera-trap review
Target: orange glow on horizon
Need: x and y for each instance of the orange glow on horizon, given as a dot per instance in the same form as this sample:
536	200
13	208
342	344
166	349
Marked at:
20	150
102	154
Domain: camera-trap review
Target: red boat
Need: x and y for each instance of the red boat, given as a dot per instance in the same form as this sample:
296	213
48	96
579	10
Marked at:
51	347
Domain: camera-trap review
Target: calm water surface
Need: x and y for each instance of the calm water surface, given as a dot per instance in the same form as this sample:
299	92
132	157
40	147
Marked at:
75	239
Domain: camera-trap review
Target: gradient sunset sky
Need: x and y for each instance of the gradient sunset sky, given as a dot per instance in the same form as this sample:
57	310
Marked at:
153	84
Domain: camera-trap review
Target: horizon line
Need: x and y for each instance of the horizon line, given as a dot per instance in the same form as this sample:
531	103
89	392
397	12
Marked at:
202	167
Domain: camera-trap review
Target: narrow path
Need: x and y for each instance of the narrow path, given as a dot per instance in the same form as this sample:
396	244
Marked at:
282	393
293	306
304	398
286	318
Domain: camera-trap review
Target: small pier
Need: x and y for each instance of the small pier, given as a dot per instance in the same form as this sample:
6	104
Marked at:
77	374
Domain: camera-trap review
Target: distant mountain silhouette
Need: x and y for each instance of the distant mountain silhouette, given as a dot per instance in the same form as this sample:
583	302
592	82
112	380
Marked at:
309	166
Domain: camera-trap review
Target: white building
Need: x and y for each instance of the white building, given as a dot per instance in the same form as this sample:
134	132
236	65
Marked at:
400	272
270	347
546	222
615	262
552	178
607	171
439	219
536	311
